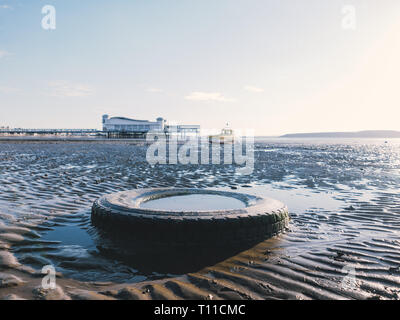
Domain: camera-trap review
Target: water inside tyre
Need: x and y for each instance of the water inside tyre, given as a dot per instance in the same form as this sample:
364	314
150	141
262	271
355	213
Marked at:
194	202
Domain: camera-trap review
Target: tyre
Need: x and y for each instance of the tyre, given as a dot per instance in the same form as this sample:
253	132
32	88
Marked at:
121	213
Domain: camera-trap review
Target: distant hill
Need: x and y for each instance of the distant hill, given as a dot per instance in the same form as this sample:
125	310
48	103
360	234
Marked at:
360	134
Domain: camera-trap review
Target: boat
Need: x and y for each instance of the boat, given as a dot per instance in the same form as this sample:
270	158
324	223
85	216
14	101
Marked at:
226	136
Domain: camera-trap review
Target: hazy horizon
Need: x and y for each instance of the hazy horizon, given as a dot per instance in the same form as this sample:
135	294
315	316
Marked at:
277	67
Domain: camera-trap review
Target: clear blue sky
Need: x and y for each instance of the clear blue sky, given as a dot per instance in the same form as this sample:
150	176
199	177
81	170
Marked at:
276	66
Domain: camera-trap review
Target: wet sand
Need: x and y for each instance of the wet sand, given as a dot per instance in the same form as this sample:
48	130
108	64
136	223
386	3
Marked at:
343	199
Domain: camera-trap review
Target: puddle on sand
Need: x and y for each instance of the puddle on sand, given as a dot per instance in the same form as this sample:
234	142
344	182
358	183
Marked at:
70	235
298	200
194	202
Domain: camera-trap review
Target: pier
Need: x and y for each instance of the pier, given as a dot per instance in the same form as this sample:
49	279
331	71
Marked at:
113	128
181	131
20	131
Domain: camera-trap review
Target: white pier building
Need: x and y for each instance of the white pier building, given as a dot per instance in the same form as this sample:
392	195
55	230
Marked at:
124	127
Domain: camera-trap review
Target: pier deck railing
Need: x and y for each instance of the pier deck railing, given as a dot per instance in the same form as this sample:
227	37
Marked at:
48	131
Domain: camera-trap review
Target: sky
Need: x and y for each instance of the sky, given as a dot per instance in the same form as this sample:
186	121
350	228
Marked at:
274	66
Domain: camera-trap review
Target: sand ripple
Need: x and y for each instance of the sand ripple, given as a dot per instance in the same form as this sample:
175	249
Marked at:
342	243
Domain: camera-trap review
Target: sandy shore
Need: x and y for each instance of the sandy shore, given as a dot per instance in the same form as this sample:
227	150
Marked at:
342	198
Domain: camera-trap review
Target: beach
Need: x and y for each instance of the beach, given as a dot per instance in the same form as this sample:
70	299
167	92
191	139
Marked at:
342	241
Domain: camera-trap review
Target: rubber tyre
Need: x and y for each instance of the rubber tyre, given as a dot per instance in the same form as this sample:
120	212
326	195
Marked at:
120	213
